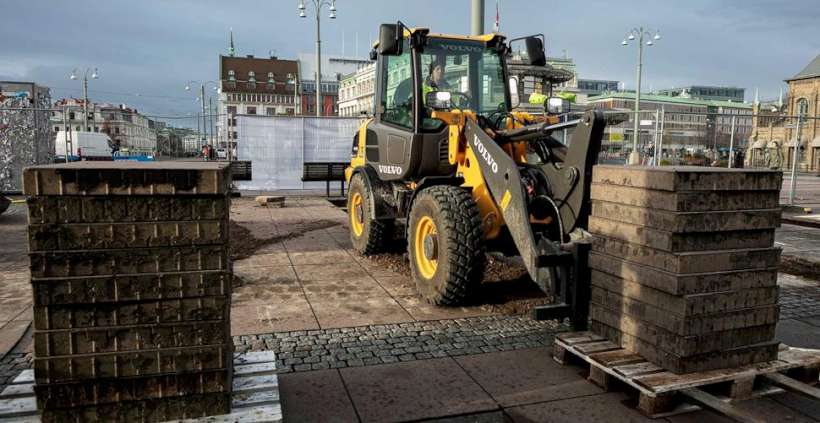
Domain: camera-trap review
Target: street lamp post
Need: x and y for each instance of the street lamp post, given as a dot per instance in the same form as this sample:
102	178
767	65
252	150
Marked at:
202	103
332	8
74	76
634	156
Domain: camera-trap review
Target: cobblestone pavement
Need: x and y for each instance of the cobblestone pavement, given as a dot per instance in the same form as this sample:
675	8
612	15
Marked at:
799	301
391	343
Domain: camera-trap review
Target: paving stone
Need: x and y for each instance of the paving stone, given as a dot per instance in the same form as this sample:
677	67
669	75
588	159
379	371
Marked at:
683	346
610	290
735	357
607	407
679	284
127	178
688	178
689	201
679	242
414	390
689	262
300	392
733	220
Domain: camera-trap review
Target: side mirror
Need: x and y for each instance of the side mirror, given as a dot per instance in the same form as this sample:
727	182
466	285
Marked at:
535	51
439	100
374	54
557	105
391	37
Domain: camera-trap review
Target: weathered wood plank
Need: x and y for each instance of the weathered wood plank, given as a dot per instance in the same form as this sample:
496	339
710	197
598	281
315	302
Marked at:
26	376
631	371
263	414
713	403
18	390
18	407
790	384
594	347
251	369
572	338
253	357
667	381
616	358
255	383
252	399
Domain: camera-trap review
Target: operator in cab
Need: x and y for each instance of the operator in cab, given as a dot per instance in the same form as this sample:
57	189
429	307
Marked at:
435	78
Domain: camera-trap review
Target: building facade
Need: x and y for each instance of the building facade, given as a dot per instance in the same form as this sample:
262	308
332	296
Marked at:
333	68
356	92
130	131
690	126
595	87
703	92
775	133
26	137
254	86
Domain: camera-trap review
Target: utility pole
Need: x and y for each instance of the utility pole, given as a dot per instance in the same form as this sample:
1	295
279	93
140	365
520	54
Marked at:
211	120
204	121
732	145
85	92
634	156
793	182
332	7
477	20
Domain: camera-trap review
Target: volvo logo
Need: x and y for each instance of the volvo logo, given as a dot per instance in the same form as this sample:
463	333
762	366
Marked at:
482	151
390	170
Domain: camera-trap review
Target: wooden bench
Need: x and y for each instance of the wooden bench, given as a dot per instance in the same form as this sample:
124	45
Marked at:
325	171
241	170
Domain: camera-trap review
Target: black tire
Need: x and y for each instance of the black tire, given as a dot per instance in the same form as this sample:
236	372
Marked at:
375	234
458	245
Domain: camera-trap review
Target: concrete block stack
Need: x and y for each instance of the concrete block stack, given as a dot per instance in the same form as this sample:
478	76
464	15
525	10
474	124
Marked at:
684	271
131	279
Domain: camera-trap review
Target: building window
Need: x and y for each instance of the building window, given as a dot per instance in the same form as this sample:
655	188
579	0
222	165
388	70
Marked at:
251	110
231	76
270	111
231	110
251	76
802	107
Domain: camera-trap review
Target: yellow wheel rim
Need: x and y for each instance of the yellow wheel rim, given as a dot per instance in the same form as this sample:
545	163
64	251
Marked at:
356	221
426	266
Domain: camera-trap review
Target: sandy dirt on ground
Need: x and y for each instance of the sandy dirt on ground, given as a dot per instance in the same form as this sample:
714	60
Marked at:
244	244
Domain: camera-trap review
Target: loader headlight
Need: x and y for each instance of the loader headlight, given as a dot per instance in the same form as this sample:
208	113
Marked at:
557	105
439	99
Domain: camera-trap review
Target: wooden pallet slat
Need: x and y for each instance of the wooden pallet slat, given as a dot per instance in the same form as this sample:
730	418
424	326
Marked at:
714	403
660	391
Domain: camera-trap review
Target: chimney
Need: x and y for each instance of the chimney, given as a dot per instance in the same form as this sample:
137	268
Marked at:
250	56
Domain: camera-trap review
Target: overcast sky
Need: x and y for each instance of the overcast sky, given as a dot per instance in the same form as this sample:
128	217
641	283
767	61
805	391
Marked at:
147	50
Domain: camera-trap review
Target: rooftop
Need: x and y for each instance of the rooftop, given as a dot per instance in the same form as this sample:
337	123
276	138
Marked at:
261	67
667	99
812	70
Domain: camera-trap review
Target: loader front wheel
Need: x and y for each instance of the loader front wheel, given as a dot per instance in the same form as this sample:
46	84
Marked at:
445	245
368	235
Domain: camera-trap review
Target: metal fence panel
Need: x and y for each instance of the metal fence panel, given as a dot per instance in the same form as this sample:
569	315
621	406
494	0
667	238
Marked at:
278	146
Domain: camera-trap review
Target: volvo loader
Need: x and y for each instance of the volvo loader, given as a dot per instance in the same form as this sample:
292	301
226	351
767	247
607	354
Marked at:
447	161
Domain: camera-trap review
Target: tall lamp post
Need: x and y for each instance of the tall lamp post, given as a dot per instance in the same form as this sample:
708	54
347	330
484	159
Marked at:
202	101
94	75
638	33
332	8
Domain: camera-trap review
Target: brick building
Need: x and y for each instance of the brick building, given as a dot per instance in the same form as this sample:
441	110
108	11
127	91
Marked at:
775	129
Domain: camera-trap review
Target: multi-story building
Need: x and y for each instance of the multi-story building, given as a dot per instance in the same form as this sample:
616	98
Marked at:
775	134
688	124
130	131
704	92
333	67
255	86
356	92
25	134
567	64
594	87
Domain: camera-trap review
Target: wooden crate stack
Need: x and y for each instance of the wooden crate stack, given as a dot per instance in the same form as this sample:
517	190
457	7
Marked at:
684	271
131	277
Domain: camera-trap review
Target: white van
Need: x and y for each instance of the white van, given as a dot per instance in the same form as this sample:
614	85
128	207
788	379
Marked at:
84	146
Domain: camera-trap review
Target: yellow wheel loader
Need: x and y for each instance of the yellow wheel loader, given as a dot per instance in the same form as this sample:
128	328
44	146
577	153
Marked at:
446	158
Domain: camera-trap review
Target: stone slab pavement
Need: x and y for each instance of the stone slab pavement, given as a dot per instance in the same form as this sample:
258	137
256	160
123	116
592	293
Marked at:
355	343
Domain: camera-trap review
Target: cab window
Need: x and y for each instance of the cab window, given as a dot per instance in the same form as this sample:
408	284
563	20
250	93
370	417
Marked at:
397	89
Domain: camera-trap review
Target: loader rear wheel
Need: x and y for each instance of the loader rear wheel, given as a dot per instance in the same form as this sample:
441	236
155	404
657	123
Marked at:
368	235
445	244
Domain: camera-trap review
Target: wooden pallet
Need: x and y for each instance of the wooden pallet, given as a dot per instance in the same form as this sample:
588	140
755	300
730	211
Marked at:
662	393
255	394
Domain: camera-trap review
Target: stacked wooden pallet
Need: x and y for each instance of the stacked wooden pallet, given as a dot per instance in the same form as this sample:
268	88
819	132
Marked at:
684	271
131	279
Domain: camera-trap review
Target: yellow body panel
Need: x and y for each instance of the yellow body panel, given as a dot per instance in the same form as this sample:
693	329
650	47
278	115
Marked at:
358	159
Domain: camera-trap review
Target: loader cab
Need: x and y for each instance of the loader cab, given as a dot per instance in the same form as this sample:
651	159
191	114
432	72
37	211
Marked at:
404	141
